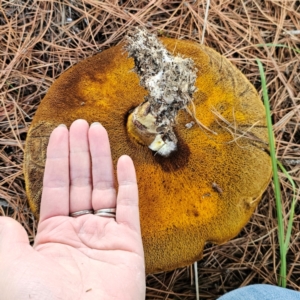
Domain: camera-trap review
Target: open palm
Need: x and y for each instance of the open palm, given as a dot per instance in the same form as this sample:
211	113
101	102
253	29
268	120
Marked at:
88	257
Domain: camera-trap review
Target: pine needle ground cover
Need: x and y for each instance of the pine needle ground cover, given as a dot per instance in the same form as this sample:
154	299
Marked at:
39	40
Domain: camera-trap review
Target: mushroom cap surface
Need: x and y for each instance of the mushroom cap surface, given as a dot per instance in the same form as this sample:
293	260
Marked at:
204	192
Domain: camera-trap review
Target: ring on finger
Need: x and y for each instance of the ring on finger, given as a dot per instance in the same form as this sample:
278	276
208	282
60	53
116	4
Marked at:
81	213
106	212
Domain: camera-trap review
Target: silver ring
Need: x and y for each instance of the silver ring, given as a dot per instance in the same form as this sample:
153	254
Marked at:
81	213
106	212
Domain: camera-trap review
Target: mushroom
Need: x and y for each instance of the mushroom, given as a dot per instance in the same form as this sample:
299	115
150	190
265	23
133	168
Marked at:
202	189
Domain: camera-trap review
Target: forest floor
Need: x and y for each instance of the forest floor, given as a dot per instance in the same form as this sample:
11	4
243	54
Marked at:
39	40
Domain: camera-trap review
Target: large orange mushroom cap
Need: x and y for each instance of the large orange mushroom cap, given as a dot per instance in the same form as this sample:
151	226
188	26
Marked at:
204	191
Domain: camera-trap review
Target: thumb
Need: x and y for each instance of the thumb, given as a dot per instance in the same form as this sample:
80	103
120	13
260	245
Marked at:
11	235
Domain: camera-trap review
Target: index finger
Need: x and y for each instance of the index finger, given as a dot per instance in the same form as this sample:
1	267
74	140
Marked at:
55	195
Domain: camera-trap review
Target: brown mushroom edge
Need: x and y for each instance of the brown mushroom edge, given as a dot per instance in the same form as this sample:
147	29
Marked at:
205	191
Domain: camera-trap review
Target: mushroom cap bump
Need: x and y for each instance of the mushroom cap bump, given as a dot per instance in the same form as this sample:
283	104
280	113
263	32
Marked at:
207	190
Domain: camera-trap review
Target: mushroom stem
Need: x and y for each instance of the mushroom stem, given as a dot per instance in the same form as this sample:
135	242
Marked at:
170	81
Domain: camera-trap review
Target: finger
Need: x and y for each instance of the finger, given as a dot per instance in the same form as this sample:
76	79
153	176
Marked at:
55	195
127	199
11	234
104	193
80	167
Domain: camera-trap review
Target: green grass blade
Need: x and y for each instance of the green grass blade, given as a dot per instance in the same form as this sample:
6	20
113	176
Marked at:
292	210
278	46
282	278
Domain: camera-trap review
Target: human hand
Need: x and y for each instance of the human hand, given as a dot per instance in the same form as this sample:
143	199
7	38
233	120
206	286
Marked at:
88	257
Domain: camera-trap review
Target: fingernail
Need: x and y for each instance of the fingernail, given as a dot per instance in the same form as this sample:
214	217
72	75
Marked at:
62	125
95	124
